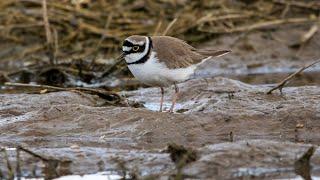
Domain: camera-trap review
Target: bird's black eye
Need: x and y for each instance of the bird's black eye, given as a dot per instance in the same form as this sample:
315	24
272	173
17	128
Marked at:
135	48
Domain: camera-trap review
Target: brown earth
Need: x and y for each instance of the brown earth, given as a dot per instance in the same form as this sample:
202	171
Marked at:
68	125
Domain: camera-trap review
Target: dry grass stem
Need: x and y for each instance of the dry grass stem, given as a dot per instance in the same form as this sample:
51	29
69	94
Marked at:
165	32
285	81
80	28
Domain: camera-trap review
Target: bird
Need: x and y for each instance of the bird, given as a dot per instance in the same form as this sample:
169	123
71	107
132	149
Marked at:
163	61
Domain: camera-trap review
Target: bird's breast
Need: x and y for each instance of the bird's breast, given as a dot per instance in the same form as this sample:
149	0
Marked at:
155	73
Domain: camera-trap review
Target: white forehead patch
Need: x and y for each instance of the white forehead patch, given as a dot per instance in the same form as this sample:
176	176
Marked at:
126	48
136	42
140	43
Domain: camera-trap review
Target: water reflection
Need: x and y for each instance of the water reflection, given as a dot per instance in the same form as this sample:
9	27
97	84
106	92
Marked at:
106	175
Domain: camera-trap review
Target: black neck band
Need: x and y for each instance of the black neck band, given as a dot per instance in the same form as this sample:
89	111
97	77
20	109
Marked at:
145	57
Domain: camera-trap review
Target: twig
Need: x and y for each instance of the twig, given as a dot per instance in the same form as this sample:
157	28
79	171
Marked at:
261	25
67	7
307	36
209	18
156	30
56	45
18	168
96	30
285	10
9	167
301	4
55	87
111	68
48	31
1	174
46	21
287	79
96	50
102	93
35	86
21	26
165	32
20	148
52	164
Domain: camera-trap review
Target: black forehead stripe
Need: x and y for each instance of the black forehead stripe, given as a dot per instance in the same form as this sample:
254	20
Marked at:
146	57
127	43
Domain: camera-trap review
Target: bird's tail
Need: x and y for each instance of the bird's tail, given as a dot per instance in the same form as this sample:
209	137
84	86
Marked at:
212	53
209	54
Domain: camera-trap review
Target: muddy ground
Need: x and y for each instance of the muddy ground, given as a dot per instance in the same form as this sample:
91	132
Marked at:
225	125
70	126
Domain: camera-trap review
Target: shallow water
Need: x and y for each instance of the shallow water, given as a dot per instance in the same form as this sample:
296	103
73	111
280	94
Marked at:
265	75
269	171
155	106
106	175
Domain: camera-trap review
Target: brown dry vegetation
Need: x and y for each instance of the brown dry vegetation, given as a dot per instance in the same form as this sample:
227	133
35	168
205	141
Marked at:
83	29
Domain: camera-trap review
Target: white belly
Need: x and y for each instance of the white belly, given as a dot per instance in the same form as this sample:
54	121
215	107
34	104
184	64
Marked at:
154	73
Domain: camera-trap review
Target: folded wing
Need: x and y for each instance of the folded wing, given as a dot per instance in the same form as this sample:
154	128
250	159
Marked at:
176	53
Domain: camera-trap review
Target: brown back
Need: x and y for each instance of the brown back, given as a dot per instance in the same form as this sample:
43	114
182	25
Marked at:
176	53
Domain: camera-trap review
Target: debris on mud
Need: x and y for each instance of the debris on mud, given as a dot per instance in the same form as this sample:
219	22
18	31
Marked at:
302	166
180	155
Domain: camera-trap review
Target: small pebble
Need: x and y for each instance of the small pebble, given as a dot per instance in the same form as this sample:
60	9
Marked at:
299	125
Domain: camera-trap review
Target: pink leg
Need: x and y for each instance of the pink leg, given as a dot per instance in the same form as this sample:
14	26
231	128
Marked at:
175	97
161	100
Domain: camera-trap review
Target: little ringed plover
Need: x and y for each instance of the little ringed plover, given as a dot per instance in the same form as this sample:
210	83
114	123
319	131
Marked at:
162	61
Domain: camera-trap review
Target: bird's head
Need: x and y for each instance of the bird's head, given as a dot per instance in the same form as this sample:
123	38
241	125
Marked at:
136	47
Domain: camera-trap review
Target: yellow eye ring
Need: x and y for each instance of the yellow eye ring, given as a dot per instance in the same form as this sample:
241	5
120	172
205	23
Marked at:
135	48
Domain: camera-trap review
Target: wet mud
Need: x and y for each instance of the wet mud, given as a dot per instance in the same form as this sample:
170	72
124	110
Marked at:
74	127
